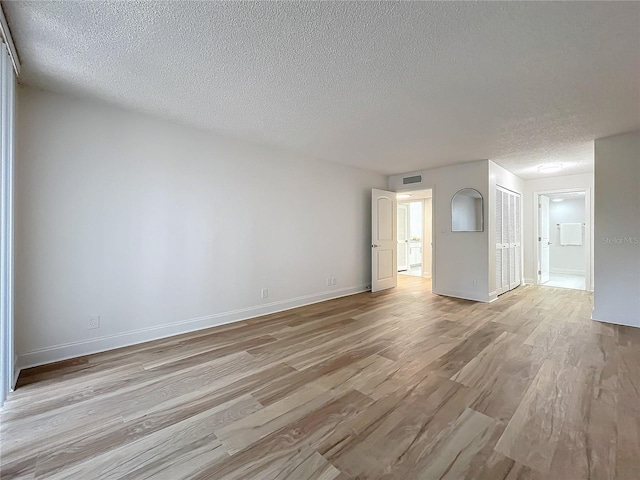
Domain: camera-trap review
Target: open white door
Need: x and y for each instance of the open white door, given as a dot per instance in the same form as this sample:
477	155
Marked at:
543	239
403	237
384	246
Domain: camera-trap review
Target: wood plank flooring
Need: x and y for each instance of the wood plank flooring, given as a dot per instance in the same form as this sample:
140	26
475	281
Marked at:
402	384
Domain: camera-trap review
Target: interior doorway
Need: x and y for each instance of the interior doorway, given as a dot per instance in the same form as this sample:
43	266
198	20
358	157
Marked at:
415	256
563	239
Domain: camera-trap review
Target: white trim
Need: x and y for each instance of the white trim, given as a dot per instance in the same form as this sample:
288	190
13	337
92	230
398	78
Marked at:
16	371
615	318
529	281
8	40
65	351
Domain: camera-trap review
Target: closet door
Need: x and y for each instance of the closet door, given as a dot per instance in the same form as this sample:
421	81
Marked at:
512	241
518	240
508	240
506	260
501	287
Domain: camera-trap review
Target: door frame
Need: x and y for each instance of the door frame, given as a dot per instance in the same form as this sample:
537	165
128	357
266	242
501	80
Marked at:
405	245
424	229
433	228
588	232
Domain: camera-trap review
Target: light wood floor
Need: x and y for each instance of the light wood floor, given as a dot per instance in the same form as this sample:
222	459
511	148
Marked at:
397	385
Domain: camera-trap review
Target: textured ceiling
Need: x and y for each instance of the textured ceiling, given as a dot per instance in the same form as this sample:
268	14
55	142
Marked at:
392	86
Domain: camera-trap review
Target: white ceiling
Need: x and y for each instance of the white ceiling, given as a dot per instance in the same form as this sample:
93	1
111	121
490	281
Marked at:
391	86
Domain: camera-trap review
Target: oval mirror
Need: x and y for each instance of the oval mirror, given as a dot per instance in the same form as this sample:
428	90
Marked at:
467	211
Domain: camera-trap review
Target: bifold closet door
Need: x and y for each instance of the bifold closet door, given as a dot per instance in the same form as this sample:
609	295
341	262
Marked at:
518	241
508	240
502	251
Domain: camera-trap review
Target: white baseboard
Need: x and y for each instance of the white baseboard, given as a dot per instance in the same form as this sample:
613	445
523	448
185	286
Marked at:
616	318
16	371
529	281
465	296
66	351
567	271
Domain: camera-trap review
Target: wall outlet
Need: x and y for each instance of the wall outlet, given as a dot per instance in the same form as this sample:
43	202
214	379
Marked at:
333	280
328	281
94	322
474	283
264	293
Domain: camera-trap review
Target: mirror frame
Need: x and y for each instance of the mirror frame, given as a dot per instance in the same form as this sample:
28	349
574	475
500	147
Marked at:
481	210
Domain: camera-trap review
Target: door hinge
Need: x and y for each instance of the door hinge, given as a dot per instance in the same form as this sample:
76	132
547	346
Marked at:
539	205
539	272
539	239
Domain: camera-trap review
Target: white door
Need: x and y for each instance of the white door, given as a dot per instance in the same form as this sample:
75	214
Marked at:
501	246
543	239
506	258
384	246
513	270
403	237
518	240
508	240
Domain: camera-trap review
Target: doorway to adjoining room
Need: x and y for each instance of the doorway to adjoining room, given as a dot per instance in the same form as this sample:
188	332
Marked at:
414	233
562	240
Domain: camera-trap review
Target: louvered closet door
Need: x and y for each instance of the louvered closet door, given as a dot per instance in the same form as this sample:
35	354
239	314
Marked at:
518	241
512	241
499	242
501	287
505	241
508	240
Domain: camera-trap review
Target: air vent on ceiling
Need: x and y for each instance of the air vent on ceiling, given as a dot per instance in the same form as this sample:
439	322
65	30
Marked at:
414	179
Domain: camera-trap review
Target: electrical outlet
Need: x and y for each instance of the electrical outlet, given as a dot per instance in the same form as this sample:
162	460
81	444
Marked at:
94	322
475	283
333	280
328	281
264	293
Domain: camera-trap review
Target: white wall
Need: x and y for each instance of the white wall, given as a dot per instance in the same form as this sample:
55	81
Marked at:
530	218
617	223
566	259
161	229
460	258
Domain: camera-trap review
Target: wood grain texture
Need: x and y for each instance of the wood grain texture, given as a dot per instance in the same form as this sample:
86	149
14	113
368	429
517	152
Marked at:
400	384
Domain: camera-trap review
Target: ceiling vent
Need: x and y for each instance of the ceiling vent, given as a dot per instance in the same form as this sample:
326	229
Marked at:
410	180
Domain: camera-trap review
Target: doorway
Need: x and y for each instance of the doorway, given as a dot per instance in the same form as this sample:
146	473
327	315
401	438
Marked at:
563	241
415	233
